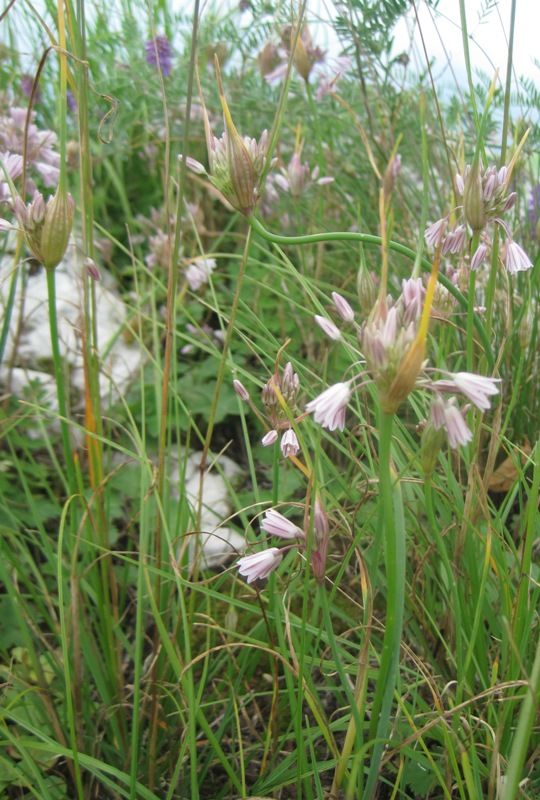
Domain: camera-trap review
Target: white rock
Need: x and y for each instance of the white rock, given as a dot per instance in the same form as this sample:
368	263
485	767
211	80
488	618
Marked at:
120	361
217	542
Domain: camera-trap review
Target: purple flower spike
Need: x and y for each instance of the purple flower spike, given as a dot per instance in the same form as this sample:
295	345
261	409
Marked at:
159	54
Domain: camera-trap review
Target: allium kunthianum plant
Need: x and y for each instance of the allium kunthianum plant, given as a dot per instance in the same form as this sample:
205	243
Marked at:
269	411
391	364
390	354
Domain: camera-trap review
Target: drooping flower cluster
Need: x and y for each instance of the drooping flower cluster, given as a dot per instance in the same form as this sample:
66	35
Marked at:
159	54
391	343
41	153
279	397
297	176
273	59
486	197
260	565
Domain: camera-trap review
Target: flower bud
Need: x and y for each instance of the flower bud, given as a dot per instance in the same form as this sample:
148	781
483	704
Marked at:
92	269
56	228
473	199
431	442
242	175
367	291
240	390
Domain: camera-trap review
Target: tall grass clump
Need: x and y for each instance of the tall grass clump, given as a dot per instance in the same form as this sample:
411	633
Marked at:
270	465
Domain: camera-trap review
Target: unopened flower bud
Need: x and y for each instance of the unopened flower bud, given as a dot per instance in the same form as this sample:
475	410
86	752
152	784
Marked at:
241	390
367	291
92	269
473	199
510	201
268	59
37	209
269	438
431	442
56	229
20	211
328	327
342	307
478	257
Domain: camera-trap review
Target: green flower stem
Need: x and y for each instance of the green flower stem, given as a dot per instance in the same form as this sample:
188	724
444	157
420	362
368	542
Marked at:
354	736
522	737
394	534
470	306
371	239
60	384
8	308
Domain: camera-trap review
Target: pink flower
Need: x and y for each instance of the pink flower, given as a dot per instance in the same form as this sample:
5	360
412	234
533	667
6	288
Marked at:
447	415
289	443
199	271
478	257
434	233
477	388
329	407
276	524
517	259
331	330
259	565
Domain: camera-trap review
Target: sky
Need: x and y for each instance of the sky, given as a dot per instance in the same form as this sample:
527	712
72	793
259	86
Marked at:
488	36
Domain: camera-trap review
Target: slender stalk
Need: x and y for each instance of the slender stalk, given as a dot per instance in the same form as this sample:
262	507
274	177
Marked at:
522	736
8	308
355	735
170	328
394	543
60	383
66	658
471	295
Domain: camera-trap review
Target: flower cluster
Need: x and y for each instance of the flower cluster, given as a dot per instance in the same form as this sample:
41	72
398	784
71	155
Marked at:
198	272
235	162
279	397
46	226
273	59
395	362
260	565
296	177
486	197
40	150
